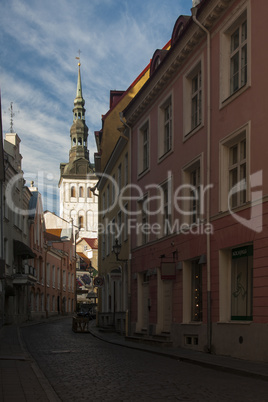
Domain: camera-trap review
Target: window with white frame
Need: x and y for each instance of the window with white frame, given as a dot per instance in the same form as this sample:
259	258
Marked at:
119	177
196	112
125	222
193	291
193	98
143	235
126	169
165	136
143	154
119	227
241	283
238	58
236	283
103	245
165	215
196	291
53	275
235	52
113	190
48	274
64	280
234	163
193	200
58	277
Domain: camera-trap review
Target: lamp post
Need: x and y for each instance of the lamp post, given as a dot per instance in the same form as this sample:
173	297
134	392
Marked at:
116	250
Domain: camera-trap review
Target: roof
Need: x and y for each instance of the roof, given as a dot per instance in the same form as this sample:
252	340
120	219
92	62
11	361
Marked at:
93	243
52	234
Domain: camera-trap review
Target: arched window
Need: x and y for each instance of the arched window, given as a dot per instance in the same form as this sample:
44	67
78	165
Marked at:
81	191
73	194
89	193
74	142
79	141
81	222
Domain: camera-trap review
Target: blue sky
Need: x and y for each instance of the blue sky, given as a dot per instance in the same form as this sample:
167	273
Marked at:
39	41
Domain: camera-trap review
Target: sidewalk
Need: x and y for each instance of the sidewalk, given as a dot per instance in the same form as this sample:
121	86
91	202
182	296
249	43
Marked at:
223	363
20	377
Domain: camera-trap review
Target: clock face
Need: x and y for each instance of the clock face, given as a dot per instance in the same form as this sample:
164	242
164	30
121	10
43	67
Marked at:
98	281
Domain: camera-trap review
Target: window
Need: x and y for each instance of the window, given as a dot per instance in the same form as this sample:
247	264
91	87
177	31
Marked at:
108	197
193	207
234	164
89	194
119	177
81	222
238	58
53	276
81	191
143	154
165	208
64	279
125	222
196	291
73	192
236	283
195	194
235	56
196	100
119	226
193	99
241	283
126	170
237	173
143	235
113	190
58	276
48	274
165	127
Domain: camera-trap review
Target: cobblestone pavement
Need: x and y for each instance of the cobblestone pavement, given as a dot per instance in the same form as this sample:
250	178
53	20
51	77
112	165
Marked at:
82	368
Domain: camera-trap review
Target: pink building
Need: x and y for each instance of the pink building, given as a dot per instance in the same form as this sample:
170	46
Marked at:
199	256
54	268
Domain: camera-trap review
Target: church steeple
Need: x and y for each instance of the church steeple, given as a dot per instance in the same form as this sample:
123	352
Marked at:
79	130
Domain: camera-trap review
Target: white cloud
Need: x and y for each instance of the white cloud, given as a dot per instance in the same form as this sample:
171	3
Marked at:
39	41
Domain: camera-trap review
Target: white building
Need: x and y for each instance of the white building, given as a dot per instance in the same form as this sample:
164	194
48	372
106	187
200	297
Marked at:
77	200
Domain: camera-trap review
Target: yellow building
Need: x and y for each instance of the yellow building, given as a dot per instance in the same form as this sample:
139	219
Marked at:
112	167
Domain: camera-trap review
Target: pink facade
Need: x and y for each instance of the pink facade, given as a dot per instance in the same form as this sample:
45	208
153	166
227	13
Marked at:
54	267
198	143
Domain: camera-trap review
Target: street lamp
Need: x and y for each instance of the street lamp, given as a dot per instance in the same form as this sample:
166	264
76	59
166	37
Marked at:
116	250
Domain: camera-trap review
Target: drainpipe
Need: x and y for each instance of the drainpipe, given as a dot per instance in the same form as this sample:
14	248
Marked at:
209	324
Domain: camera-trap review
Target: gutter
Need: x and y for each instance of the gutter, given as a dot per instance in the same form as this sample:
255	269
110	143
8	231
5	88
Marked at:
209	324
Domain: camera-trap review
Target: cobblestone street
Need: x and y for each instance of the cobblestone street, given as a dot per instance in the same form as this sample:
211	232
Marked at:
81	368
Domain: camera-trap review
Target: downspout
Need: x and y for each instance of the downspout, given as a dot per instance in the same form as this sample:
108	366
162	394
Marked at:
128	317
209	324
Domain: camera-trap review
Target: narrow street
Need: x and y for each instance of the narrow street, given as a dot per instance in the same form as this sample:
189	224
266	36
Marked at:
81	367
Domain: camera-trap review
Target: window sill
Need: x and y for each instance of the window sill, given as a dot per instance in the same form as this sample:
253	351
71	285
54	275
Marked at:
233	96
192	132
143	173
194	323
234	322
165	155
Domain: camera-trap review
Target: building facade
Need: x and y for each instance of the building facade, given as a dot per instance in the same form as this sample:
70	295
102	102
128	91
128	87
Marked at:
198	138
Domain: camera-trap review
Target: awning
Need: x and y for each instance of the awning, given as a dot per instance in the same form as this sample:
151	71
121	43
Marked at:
22	250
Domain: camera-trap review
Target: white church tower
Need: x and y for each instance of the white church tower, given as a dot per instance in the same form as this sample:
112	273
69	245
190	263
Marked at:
77	178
